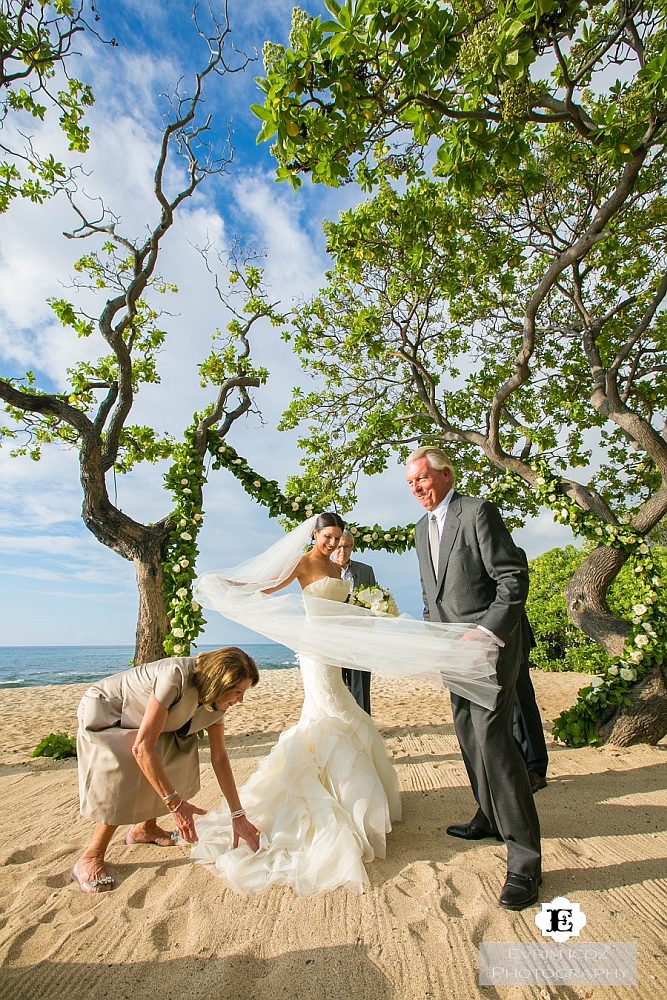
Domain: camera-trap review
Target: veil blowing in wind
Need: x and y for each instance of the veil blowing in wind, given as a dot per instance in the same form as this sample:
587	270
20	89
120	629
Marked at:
343	635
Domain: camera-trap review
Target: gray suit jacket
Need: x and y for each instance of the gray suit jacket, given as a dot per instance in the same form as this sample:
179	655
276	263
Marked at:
362	574
482	578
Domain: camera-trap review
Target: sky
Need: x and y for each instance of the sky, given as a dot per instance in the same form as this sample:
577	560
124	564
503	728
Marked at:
58	584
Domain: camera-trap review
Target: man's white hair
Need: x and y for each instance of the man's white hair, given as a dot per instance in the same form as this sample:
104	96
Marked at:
435	457
350	537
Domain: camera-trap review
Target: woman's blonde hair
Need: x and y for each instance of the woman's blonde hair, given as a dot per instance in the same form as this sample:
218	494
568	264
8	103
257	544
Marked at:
218	671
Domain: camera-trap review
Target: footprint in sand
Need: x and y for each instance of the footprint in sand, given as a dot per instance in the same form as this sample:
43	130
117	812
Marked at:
33	853
410	895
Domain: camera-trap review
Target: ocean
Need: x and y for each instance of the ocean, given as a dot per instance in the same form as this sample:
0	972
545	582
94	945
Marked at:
34	666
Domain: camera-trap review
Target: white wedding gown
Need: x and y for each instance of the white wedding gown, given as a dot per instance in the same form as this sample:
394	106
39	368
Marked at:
324	799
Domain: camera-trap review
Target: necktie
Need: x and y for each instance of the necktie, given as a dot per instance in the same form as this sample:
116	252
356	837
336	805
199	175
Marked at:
434	540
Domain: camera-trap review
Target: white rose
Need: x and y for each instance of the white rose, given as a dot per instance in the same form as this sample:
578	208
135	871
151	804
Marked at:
197	517
178	632
178	649
257	484
187	490
387	538
184	482
367	538
295	506
181	592
195	606
613	670
237	461
540	480
641	640
636	657
354	529
639	609
176	568
628	674
186	536
597	682
182	522
185	562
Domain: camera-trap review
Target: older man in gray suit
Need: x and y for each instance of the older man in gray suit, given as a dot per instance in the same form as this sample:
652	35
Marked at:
471	571
359	575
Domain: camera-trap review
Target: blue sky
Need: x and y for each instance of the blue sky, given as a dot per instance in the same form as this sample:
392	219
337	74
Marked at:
59	585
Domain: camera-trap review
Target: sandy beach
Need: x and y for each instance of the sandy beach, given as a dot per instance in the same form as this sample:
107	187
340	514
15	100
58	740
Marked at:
171	930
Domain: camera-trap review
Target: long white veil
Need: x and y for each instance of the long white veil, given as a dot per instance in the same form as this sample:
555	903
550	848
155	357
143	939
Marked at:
343	635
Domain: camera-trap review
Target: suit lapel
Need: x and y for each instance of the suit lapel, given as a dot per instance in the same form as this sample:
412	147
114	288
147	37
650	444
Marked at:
423	553
448	537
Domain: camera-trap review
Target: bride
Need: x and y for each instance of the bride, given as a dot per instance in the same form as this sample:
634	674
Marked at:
327	794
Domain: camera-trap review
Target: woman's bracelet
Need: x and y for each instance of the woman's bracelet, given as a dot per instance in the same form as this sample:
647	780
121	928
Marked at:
175	808
168	798
238	813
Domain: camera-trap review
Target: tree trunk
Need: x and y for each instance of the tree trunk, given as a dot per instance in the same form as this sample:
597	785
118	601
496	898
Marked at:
153	621
645	721
586	598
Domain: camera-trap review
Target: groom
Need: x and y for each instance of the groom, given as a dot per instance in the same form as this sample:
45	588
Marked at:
471	571
358	574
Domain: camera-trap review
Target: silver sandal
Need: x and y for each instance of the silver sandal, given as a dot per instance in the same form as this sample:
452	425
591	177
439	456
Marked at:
94	885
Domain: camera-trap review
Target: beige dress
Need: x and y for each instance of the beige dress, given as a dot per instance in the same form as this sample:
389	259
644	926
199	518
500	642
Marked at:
112	788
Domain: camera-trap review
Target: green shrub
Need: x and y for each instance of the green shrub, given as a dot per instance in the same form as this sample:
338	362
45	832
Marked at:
56	745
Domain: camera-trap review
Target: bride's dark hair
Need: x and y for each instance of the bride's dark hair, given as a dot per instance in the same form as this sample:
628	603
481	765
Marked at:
329	520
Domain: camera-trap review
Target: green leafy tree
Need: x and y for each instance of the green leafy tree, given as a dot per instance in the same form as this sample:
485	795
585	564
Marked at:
36	40
93	413
383	83
514	307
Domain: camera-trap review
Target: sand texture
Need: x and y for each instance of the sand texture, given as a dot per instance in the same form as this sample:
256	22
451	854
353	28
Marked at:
171	930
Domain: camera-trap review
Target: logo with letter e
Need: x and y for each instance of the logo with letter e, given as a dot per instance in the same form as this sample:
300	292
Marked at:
560	919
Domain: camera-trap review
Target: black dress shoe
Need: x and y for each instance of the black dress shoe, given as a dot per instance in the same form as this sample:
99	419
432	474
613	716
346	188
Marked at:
537	781
471	831
519	891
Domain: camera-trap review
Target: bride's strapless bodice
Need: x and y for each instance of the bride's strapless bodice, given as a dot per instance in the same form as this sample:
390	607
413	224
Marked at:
328	588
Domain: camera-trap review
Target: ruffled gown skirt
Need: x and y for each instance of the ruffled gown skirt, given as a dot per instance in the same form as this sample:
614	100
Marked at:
324	800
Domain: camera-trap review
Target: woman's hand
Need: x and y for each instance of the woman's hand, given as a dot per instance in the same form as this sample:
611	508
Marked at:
245	830
184	817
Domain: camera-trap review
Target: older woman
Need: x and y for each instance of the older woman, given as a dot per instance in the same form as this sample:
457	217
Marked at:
137	750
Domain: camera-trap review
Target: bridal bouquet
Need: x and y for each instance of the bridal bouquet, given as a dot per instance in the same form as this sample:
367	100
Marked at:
376	599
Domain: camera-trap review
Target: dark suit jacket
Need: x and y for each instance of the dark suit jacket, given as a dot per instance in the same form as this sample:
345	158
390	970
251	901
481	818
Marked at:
482	578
